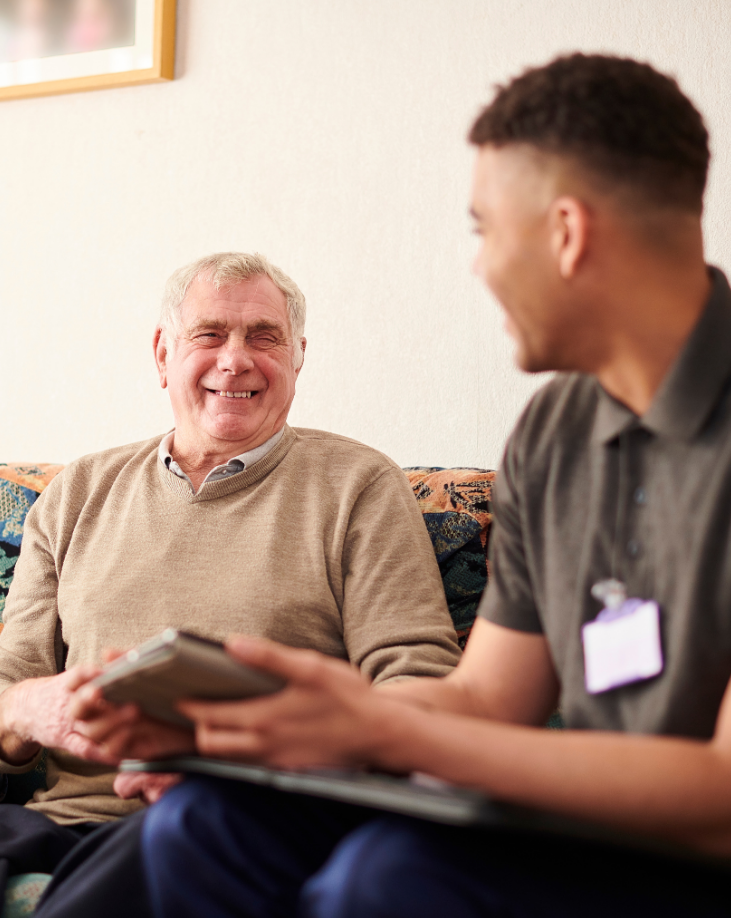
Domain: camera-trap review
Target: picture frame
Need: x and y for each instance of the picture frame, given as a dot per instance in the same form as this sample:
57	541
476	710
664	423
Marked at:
139	49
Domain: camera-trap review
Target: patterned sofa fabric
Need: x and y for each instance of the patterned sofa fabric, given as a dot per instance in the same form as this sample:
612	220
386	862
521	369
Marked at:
456	508
20	486
456	504
22	894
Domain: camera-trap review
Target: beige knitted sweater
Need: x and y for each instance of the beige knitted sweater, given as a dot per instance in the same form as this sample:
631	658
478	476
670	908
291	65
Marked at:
319	544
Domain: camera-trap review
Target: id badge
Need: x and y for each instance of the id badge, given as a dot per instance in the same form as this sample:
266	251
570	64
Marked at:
622	645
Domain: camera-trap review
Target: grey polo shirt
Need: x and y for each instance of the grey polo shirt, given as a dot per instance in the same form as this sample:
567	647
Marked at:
588	491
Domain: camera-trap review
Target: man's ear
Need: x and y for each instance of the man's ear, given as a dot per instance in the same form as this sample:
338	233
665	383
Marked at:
569	227
303	345
160	348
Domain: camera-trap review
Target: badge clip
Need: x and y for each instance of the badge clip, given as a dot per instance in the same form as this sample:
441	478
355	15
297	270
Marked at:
622	645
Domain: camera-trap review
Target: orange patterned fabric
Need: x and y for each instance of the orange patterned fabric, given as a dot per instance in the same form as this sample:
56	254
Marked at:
35	477
456	504
455	490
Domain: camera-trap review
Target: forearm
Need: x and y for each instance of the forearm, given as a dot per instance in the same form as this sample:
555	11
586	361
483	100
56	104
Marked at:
504	675
445	694
671	787
328	715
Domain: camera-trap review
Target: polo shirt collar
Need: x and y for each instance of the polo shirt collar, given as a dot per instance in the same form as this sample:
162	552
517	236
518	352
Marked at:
692	387
612	417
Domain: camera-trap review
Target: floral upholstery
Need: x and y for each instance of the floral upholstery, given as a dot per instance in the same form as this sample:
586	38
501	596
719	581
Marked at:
456	508
457	512
22	894
20	486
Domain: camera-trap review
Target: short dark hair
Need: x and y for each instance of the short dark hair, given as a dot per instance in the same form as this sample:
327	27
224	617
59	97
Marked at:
621	119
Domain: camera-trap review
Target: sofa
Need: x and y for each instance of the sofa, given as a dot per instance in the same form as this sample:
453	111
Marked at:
456	508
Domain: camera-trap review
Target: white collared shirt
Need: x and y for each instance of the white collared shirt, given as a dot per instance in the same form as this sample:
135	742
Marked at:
232	467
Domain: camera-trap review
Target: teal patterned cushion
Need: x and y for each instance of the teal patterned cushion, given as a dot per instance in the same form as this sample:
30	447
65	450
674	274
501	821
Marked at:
22	894
20	486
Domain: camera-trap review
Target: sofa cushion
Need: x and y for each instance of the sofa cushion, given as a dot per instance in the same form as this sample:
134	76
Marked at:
455	504
457	512
22	894
20	486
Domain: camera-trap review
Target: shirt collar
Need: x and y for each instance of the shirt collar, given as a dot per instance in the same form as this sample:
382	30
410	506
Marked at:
233	466
692	387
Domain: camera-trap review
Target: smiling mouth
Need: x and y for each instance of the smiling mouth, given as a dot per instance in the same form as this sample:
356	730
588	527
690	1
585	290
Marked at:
224	394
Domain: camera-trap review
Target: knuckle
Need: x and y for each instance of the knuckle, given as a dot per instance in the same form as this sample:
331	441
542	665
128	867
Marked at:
312	663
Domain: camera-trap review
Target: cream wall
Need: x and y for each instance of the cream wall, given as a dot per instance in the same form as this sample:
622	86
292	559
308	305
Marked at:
328	134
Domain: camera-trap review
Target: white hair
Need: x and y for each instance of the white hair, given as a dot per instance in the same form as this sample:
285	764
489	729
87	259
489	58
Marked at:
226	269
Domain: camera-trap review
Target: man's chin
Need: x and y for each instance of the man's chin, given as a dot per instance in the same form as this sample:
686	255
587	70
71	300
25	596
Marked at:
533	363
524	360
245	435
234	435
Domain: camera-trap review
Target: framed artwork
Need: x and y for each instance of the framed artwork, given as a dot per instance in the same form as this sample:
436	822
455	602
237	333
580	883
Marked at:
56	46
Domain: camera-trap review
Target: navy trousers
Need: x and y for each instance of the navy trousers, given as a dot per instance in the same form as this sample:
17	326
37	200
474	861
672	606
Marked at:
223	848
101	875
32	843
97	869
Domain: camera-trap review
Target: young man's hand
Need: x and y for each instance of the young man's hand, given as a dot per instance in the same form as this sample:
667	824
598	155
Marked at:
327	714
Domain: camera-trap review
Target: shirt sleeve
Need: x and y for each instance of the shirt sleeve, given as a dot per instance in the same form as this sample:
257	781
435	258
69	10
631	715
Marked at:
395	617
509	599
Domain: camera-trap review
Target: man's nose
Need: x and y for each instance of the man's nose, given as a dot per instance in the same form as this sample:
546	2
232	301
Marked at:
235	356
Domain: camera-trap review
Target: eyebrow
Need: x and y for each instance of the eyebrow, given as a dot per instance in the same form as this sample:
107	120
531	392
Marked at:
215	324
265	325
221	325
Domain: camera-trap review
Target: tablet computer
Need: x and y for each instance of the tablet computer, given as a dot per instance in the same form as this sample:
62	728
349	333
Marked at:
175	665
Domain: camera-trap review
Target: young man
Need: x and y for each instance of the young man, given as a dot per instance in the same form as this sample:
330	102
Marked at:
614	500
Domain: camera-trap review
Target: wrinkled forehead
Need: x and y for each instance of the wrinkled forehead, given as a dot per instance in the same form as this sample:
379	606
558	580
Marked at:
254	302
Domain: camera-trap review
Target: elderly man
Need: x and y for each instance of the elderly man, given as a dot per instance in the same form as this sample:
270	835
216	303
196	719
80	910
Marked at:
610	587
232	522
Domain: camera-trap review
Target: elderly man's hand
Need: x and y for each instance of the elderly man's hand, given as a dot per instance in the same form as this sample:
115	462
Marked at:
37	712
327	714
148	786
124	731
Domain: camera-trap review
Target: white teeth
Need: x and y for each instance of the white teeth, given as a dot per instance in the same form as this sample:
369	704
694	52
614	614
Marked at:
234	394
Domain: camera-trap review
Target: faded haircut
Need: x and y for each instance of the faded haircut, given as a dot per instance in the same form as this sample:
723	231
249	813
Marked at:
623	121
